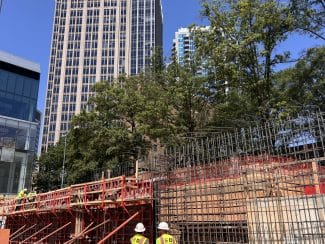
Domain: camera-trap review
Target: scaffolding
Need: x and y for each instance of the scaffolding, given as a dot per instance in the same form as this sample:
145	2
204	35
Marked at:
263	184
104	211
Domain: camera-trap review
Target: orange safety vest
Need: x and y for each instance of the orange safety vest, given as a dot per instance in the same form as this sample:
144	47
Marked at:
166	239
139	239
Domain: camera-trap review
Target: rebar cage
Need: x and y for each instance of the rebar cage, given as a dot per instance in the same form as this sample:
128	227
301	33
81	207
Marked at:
263	184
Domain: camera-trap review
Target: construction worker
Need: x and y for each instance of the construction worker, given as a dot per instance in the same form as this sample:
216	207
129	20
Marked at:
139	238
20	198
31	196
164	236
21	195
2	201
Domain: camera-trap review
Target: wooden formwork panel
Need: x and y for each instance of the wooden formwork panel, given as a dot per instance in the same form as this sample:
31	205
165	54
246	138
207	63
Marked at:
4	236
226	200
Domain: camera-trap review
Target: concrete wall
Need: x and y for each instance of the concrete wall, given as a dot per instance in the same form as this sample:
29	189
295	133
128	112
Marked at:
286	219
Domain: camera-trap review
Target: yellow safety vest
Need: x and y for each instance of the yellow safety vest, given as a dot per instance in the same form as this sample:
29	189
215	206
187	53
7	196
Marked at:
139	239
21	194
166	239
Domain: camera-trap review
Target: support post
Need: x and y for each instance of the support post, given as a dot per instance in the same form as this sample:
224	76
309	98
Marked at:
17	231
37	232
31	227
118	228
137	169
315	177
52	233
319	202
77	236
86	232
78	225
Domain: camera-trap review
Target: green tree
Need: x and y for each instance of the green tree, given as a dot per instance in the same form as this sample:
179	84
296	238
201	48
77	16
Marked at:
241	53
189	96
127	117
108	134
309	17
50	168
304	84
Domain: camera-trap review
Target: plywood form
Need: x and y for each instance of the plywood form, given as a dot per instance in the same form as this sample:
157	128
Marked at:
225	200
4	236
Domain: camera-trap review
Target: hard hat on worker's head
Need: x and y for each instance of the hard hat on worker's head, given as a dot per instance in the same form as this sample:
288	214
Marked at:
25	189
139	228
163	226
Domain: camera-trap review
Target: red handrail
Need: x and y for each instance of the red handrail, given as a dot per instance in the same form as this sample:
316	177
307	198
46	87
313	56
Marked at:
126	189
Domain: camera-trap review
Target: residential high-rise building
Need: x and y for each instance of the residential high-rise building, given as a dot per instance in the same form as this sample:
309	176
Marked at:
19	122
95	40
184	46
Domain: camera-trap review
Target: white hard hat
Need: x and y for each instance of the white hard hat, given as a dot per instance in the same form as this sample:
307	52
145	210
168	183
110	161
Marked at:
139	228
163	226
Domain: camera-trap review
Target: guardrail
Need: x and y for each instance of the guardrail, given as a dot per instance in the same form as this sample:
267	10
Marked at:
105	193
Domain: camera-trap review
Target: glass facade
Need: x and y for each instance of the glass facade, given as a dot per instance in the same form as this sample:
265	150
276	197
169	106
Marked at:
18	95
18	147
19	122
146	32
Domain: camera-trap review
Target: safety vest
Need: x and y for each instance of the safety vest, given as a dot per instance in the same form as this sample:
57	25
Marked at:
166	239
21	194
139	239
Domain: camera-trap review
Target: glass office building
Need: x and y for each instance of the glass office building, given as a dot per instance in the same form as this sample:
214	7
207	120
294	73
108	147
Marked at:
19	122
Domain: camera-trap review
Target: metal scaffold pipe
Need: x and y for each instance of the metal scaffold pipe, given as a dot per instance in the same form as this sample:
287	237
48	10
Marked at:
118	228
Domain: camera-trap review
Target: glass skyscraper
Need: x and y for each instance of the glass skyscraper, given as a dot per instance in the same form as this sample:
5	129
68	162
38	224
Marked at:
95	40
19	122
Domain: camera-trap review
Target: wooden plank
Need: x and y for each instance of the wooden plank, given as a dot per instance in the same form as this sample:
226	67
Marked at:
4	236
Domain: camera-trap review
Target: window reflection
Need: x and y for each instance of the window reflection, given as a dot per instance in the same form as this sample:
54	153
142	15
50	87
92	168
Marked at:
18	145
18	95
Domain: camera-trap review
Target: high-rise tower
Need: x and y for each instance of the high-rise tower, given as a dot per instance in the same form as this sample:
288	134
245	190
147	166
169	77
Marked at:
95	40
184	47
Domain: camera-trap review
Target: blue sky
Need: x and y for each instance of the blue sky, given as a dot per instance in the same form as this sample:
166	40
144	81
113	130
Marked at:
26	26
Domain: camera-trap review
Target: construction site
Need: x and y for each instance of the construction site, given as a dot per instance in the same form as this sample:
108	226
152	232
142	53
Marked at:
261	184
